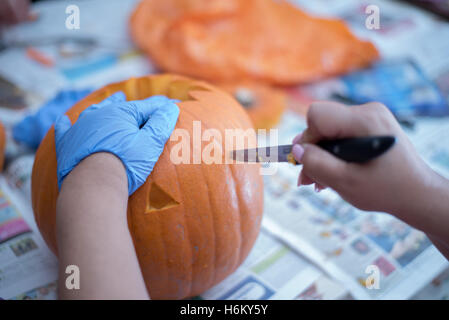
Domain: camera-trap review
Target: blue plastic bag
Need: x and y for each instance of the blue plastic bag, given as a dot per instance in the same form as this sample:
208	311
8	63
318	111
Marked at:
33	128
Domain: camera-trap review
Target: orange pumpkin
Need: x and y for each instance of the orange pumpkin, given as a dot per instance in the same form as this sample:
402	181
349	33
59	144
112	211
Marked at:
263	103
2	145
192	224
234	40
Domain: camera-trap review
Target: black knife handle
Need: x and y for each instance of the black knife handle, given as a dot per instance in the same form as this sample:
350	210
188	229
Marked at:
360	149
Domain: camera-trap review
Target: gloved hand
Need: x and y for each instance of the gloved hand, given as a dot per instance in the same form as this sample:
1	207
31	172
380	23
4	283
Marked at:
134	131
33	128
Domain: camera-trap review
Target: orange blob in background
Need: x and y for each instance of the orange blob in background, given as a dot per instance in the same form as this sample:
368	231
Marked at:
234	40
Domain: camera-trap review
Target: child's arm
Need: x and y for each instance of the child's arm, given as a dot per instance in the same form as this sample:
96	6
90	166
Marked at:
399	182
92	232
102	159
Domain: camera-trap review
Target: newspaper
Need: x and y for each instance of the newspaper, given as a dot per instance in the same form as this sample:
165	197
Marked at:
18	175
438	289
273	271
25	260
343	240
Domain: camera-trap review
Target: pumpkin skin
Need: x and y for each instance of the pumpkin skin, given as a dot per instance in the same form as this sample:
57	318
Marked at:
2	145
234	40
192	224
264	104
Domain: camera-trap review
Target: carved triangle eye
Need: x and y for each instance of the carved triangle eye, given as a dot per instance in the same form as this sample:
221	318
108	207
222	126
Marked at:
158	199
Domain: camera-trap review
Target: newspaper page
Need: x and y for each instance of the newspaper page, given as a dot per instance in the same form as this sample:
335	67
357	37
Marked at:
430	138
25	260
46	292
273	271
438	289
18	175
345	241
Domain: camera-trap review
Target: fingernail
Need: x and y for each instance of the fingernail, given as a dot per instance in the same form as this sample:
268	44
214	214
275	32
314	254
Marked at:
319	187
298	152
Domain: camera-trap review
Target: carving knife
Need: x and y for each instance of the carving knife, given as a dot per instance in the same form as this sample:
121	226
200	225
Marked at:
359	150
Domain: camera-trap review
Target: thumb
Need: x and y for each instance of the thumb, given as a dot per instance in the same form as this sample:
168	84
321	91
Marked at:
321	166
62	124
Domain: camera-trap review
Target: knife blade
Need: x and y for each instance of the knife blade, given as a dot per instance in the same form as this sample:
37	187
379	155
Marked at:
359	150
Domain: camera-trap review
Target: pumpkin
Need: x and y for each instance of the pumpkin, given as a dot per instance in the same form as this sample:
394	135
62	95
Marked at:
192	224
234	40
263	103
2	145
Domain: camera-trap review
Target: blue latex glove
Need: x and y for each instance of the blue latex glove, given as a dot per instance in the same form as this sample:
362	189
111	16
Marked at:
33	128
134	131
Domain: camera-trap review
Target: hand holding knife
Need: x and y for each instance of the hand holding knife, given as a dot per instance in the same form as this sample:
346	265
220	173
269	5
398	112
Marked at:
359	150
